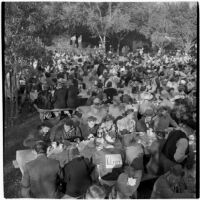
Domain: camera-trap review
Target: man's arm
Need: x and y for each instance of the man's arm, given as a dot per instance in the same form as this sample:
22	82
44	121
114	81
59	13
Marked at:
25	184
182	145
172	122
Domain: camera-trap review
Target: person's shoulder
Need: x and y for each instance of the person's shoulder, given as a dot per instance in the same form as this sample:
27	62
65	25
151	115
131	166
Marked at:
161	180
53	161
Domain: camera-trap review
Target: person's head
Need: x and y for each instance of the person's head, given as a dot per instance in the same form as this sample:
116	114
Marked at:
96	101
57	113
109	84
148	115
126	99
163	110
95	192
171	92
108	121
40	147
43	129
91	121
116	100
68	125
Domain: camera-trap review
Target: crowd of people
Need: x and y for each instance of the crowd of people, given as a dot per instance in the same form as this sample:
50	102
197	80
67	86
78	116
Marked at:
109	123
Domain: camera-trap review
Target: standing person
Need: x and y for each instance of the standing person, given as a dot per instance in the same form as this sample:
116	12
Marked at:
60	96
72	100
73	39
80	41
40	176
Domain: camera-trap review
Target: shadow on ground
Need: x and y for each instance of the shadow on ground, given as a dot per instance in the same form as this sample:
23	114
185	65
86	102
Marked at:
13	141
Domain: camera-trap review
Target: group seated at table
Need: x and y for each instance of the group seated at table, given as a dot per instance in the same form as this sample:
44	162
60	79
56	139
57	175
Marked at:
120	128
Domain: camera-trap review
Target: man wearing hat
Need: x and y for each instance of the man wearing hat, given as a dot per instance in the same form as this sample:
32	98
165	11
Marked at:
146	122
170	185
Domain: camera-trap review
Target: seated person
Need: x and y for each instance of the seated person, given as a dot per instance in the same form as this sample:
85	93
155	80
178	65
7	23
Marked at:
89	129
66	133
163	120
40	176
146	121
175	150
170	185
127	184
42	133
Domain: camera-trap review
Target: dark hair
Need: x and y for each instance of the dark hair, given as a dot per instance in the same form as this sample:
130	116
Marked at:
40	147
190	161
39	127
109	84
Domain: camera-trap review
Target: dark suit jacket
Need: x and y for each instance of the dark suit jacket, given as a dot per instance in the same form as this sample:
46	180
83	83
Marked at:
141	126
60	98
40	178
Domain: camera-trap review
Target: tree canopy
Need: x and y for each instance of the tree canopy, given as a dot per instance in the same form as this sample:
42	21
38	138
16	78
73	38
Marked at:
29	26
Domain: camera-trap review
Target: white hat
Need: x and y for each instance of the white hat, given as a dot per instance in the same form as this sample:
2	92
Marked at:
146	96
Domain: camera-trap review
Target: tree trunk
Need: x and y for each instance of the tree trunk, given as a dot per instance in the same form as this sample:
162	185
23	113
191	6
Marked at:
104	43
11	101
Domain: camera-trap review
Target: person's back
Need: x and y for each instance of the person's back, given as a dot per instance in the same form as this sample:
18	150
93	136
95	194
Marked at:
77	176
60	98
40	177
72	99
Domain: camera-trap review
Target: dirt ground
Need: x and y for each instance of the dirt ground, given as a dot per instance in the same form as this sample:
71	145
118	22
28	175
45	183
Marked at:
13	139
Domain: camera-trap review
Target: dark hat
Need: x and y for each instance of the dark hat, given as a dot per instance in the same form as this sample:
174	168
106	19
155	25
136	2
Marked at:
69	122
149	112
91	118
